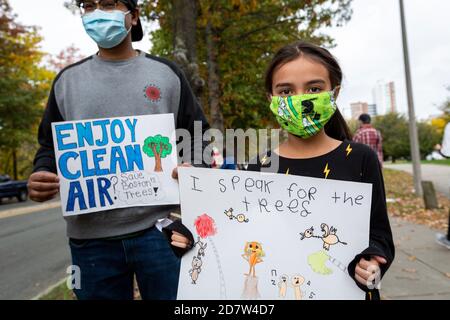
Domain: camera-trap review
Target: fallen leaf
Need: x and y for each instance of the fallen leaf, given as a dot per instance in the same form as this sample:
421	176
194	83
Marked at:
412	258
409	270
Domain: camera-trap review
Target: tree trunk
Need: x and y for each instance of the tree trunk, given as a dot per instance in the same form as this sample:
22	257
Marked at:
14	155
185	26
158	164
185	14
213	79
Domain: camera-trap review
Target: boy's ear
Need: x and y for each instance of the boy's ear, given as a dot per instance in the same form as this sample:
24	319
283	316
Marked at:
269	97
135	16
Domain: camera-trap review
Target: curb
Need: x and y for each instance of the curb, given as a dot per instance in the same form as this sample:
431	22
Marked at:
49	289
29	209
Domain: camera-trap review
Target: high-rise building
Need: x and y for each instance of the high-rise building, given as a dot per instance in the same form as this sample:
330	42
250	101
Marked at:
384	97
359	108
372	110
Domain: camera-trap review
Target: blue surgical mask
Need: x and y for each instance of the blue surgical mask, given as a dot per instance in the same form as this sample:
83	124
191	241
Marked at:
107	29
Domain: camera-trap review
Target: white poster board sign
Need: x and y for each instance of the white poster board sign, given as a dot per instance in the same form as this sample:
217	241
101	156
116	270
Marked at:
271	236
115	163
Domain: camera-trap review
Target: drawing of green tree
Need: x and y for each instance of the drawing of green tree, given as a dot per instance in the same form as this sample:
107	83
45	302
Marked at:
157	147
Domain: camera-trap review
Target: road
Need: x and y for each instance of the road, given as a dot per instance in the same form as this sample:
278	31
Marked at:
33	250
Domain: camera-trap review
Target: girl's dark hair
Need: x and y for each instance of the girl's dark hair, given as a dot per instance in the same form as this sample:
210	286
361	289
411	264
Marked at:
336	127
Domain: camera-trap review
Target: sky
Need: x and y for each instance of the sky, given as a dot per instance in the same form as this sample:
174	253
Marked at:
368	47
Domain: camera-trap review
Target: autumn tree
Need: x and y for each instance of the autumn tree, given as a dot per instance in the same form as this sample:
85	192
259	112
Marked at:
158	147
64	58
24	85
441	121
234	41
394	131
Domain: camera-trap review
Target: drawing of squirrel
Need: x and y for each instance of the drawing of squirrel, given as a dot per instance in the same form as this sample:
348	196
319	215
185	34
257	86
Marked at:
252	253
328	237
196	268
240	217
202	247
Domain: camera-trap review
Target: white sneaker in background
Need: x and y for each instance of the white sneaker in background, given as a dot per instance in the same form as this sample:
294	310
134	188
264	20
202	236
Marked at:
442	240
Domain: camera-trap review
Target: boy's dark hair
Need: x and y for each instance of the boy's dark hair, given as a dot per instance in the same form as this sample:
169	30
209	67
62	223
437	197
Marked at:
336	127
131	4
364	118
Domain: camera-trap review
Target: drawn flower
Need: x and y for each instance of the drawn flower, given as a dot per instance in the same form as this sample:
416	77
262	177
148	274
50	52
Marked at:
153	93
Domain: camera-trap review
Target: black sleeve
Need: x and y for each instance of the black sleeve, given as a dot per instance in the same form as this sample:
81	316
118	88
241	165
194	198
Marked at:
190	112
45	156
380	240
180	228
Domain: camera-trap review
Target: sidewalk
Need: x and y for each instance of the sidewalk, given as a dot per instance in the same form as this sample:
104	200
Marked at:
421	269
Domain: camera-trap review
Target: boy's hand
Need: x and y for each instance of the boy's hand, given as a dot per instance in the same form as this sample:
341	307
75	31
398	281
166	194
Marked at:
366	270
175	170
43	186
180	241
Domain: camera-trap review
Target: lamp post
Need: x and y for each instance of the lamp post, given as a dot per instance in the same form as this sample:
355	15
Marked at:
413	137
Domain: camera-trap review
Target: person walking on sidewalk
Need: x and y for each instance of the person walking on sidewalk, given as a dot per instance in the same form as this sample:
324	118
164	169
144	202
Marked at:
368	135
443	239
112	247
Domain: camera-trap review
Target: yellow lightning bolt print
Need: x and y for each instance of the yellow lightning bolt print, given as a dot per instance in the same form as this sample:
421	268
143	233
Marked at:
326	171
287	172
263	160
349	149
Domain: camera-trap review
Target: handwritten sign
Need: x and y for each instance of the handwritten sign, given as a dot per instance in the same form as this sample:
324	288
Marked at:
271	236
117	162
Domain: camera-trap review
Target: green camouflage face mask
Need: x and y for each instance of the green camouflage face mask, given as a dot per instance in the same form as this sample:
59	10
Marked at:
304	115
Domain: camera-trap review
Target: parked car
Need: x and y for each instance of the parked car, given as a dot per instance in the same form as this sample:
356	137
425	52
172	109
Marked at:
13	189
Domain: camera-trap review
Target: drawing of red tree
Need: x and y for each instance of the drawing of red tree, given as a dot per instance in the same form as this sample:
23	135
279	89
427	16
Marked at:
206	228
158	147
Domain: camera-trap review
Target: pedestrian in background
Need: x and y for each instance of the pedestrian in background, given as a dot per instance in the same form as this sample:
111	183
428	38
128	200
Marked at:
368	135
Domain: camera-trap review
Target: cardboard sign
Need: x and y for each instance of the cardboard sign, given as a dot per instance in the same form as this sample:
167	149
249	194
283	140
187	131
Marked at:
115	163
271	236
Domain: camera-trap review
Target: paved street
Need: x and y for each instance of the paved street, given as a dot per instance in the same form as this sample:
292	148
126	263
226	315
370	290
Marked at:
438	174
33	250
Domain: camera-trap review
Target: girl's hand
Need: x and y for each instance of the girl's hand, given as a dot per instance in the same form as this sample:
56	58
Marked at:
180	241
366	270
175	170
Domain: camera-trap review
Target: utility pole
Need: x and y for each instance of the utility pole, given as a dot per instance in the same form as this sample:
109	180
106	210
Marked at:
413	137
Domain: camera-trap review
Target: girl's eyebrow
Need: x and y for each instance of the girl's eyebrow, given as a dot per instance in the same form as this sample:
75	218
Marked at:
283	85
315	81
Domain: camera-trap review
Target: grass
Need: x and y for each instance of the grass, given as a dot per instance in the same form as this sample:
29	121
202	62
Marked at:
61	292
407	206
445	162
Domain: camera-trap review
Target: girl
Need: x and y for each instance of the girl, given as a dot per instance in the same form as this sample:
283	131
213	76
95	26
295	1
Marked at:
302	83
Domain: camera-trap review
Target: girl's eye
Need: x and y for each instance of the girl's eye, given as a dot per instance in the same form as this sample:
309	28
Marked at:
286	92
315	90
